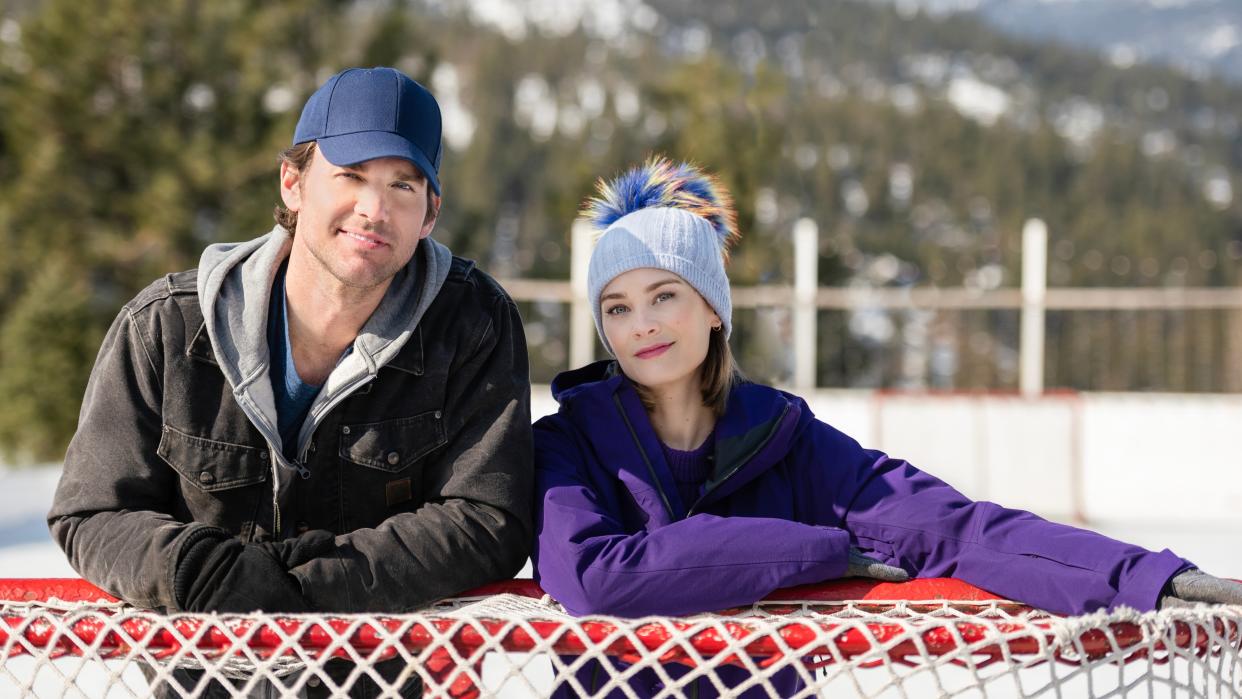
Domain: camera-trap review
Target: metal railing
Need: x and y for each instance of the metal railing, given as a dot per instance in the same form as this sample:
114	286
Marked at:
804	297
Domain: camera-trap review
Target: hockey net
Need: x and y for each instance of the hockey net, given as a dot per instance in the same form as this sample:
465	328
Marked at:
848	638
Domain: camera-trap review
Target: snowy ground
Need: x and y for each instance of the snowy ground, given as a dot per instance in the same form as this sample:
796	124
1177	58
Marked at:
26	548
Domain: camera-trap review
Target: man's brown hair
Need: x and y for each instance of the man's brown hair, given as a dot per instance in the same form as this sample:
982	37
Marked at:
298	157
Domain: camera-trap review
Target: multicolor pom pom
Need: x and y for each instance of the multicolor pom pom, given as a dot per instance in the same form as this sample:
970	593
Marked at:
660	182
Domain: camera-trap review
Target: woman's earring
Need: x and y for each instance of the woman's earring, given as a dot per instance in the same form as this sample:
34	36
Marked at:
716	328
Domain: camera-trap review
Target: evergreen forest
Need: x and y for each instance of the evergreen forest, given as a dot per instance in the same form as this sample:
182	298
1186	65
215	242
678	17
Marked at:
133	134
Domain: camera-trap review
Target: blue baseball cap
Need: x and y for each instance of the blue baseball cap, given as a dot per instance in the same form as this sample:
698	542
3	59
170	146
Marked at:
366	113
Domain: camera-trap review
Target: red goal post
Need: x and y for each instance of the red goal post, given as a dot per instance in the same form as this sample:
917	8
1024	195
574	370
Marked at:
508	639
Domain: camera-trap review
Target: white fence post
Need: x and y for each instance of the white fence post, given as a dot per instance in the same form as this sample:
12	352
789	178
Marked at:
806	283
1034	291
581	324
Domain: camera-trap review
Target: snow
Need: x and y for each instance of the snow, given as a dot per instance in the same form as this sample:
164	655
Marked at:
26	547
605	18
1220	40
978	100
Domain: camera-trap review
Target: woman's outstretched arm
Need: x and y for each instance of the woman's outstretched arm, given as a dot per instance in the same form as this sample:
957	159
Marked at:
912	519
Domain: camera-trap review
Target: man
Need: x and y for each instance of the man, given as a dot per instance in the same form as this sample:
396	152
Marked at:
331	417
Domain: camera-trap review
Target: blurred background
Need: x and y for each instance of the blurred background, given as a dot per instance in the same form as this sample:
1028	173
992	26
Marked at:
918	136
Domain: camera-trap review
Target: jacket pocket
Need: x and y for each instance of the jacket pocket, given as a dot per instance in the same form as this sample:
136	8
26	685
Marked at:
393	445
212	465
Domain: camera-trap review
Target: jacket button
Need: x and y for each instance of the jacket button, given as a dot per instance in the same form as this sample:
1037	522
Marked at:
314	681
437	414
262	456
345	429
205	477
393	458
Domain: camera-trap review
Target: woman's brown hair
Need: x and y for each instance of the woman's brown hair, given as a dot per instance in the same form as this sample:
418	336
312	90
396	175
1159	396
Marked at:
718	374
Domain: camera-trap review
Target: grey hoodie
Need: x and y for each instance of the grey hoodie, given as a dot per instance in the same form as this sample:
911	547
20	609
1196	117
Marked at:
235	287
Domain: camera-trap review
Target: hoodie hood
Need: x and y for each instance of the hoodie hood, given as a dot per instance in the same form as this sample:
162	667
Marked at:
757	430
234	289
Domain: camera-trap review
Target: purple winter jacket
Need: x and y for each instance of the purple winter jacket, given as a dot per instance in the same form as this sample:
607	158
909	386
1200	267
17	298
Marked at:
786	498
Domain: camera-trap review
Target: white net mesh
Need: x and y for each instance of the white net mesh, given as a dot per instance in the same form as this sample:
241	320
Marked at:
510	645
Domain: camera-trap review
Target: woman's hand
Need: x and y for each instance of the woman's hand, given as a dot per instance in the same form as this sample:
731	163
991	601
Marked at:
1192	586
863	566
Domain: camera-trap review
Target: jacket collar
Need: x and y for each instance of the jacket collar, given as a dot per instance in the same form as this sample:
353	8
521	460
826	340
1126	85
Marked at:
410	359
756	431
601	402
199	346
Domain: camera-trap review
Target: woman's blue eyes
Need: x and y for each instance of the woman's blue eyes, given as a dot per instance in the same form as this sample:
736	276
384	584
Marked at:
619	309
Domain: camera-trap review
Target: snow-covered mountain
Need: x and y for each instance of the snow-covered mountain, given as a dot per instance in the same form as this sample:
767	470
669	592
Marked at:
1201	37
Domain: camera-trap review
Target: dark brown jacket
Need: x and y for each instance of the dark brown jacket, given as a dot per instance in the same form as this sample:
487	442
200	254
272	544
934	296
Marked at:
422	469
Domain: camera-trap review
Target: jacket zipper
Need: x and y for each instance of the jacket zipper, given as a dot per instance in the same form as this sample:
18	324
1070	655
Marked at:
276	534
340	396
741	462
275	457
650	469
259	420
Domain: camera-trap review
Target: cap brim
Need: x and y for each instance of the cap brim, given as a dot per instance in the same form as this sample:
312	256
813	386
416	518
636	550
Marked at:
354	148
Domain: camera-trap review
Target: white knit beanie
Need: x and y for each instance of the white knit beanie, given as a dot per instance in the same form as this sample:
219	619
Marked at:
664	215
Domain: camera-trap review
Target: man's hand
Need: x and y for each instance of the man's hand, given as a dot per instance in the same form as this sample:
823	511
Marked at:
863	566
301	549
1191	586
219	573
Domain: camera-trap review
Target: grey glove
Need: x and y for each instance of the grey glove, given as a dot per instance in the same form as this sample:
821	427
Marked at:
1193	585
863	566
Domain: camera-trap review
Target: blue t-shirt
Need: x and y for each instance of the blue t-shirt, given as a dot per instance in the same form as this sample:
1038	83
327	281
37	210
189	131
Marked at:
293	396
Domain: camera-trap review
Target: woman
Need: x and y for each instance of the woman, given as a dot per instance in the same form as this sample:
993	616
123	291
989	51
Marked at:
668	485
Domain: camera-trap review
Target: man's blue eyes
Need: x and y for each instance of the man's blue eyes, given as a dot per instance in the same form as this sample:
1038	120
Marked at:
400	184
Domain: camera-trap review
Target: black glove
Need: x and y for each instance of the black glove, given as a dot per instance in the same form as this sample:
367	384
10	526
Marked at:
863	566
1193	585
301	549
219	573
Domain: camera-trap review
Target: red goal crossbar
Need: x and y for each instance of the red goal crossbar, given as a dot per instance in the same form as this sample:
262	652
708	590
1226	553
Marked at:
798	634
